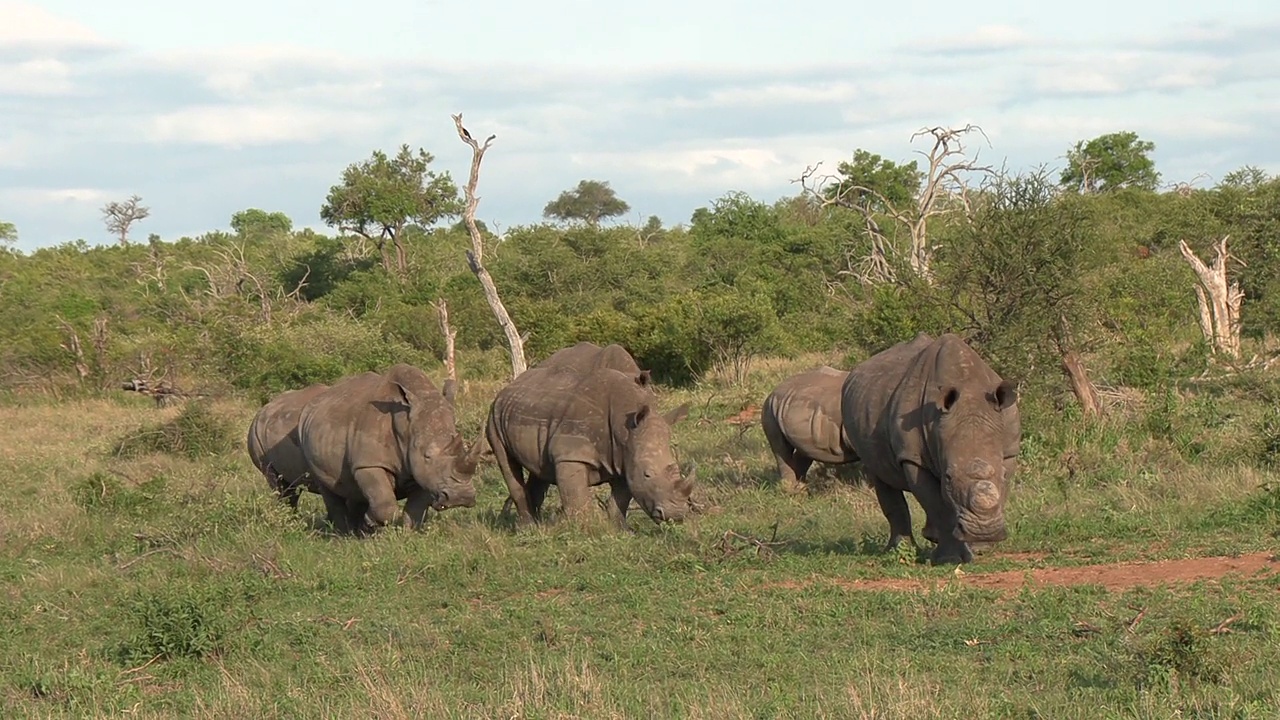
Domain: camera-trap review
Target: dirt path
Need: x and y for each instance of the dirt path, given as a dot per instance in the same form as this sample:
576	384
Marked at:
1113	576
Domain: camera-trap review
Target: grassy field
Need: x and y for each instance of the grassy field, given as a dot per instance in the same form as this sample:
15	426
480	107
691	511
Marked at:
148	572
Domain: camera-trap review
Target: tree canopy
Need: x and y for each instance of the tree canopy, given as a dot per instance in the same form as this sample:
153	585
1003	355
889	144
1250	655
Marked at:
869	180
379	197
1109	162
590	202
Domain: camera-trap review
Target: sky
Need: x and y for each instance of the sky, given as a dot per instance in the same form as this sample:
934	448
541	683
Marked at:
204	109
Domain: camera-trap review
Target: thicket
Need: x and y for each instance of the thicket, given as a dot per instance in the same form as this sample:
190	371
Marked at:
266	308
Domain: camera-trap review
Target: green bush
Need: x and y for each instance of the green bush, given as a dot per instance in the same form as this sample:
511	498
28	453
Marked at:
196	432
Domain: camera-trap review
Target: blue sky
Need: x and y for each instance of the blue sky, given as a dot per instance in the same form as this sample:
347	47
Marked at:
206	109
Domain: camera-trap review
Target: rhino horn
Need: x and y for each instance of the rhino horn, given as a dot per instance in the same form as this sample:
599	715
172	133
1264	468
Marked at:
450	390
687	483
468	462
677	414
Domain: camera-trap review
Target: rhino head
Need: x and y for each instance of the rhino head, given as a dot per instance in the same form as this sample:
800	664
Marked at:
650	466
436	456
970	439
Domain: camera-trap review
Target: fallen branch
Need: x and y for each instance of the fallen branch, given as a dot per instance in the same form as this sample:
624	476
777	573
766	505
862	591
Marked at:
761	547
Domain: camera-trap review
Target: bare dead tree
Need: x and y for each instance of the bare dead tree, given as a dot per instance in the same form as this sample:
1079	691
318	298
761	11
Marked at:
120	216
1219	301
232	276
945	191
74	348
475	256
450	335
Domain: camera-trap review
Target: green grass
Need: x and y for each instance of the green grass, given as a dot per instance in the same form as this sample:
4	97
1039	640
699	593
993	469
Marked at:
172	584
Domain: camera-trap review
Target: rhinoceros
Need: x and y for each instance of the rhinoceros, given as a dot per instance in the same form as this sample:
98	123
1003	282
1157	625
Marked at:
582	357
376	438
273	443
801	420
930	416
583	429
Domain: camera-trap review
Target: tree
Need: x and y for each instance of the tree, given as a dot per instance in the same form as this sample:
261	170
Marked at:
1109	162
8	234
590	202
120	216
872	181
1219	301
1015	273
475	256
379	197
260	222
864	189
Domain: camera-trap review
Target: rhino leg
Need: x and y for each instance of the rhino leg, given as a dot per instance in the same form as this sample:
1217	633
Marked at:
621	496
336	508
379	491
416	507
893	503
574	481
940	516
536	489
792	466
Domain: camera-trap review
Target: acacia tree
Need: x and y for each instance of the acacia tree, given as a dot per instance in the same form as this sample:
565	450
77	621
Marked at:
120	216
380	197
590	202
878	189
475	256
253	221
1109	162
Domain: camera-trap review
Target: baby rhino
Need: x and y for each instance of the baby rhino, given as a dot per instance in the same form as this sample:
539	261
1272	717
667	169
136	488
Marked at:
582	429
801	420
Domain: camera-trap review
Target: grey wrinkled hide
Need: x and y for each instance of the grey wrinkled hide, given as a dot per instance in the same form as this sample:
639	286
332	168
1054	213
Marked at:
582	429
587	356
373	439
930	416
273	443
801	420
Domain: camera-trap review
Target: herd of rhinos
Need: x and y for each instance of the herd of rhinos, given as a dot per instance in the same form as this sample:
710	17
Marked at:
927	416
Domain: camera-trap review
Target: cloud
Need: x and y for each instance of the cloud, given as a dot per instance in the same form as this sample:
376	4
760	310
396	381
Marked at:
200	134
25	26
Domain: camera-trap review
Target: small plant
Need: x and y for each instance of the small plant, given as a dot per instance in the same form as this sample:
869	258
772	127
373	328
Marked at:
105	491
1179	654
1268	443
174	624
196	432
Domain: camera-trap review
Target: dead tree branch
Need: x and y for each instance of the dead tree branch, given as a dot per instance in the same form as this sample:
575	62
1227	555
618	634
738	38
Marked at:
1219	301
475	256
450	335
945	191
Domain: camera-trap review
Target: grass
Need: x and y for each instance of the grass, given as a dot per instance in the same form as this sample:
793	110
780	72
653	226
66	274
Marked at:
166	581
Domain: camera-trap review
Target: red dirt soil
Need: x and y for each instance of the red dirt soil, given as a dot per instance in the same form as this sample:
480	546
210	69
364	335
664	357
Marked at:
1117	576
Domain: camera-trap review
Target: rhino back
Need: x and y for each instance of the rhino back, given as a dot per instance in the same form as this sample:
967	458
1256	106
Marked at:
547	416
881	399
273	433
586	356
807	409
349	426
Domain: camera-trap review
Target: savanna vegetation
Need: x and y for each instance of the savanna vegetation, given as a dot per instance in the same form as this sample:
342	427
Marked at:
147	569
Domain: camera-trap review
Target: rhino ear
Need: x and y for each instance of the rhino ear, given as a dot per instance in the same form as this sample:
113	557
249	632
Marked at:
1005	394
677	414
406	395
644	379
947	397
634	419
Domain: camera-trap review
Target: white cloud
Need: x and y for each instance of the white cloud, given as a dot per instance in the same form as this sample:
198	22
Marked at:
984	39
54	196
26	25
35	77
238	126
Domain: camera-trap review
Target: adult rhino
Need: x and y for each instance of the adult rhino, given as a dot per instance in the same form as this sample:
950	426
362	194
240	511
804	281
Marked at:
801	420
581	358
273	443
376	438
930	416
584	429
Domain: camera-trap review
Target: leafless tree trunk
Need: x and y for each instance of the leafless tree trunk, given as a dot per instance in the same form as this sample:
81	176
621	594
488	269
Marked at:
475	256
120	216
1219	301
450	335
73	346
1075	371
